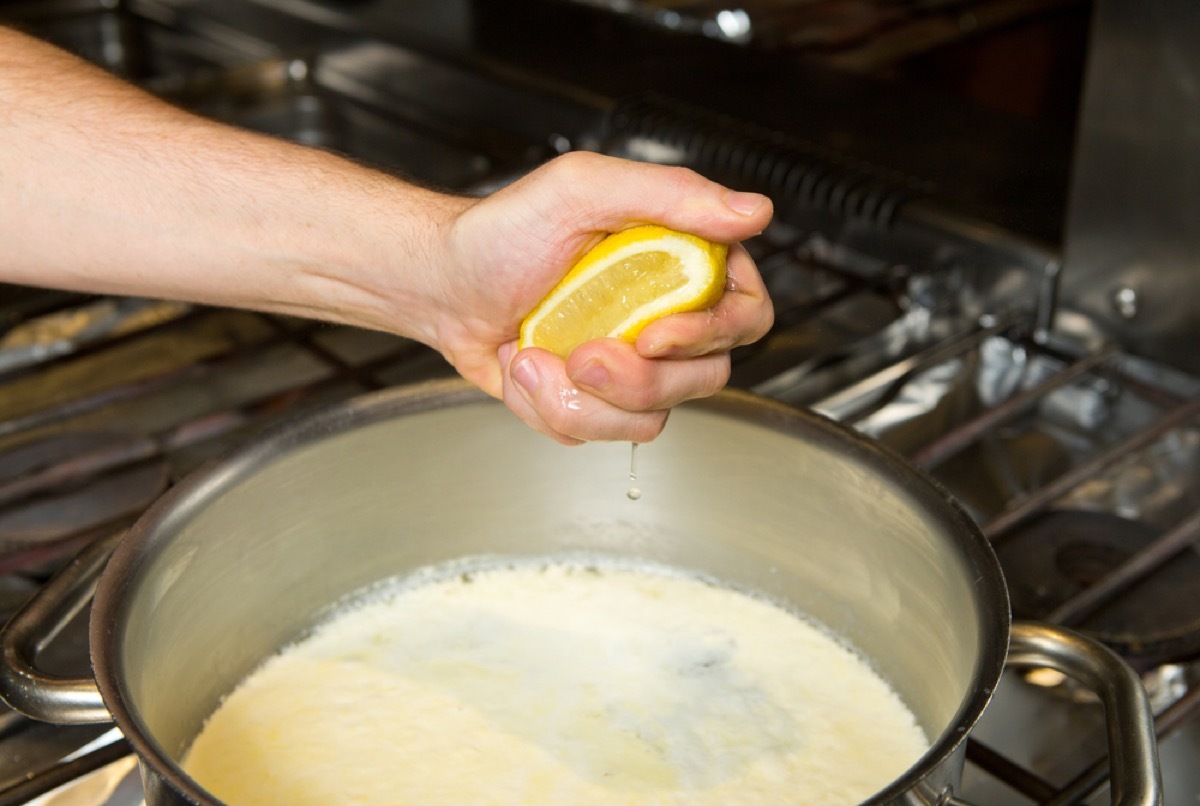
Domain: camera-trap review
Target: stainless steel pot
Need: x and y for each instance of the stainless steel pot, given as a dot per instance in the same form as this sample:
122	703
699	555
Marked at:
242	558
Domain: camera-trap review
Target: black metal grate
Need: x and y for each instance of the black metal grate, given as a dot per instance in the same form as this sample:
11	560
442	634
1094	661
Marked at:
255	343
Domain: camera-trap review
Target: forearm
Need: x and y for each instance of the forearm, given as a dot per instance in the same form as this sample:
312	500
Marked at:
104	188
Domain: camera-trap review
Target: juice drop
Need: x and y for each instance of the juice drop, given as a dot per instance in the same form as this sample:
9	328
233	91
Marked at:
633	493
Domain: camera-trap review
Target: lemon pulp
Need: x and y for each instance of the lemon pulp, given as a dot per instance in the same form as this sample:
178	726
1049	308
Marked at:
628	280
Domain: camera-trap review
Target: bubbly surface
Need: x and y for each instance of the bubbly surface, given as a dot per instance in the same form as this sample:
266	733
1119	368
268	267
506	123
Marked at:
563	684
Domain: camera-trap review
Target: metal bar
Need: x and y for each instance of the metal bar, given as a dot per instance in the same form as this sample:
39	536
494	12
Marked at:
1041	498
134	389
208	426
64	548
1129	723
1152	393
1010	772
892	379
1083	785
342	367
1128	573
956	439
91	348
79	466
215	424
1155	395
790	316
298	336
41	302
1047	303
1178	713
1095	776
43	781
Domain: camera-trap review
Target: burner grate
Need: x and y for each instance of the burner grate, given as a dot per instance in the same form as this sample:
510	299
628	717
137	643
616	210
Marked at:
83	438
97	428
1099	578
872	377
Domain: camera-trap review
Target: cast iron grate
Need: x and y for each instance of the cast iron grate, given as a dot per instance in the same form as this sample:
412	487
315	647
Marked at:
61	422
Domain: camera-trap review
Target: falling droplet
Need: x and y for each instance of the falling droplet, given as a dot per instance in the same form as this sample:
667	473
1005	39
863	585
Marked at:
633	493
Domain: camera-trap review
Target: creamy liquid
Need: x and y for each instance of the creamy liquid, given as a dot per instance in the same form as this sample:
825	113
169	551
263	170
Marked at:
560	684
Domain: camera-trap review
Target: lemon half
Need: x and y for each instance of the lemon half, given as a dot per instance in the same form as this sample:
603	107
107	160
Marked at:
624	283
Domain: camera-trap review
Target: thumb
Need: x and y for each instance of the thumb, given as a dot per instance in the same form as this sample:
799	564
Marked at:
597	192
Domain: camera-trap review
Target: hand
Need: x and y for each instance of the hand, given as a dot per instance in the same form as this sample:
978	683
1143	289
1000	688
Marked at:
509	250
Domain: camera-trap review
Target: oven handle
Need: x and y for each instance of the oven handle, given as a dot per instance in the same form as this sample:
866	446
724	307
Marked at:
1135	777
25	687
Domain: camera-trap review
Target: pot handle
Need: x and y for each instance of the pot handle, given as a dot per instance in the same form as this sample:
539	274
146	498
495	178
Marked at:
43	696
1135	778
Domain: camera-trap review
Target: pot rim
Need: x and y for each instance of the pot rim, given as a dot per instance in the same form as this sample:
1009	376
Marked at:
185	499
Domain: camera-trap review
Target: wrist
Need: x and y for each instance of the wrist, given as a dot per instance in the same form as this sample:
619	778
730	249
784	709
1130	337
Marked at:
377	256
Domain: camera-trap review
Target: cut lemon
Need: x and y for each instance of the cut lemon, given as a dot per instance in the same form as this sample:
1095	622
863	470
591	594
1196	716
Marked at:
624	283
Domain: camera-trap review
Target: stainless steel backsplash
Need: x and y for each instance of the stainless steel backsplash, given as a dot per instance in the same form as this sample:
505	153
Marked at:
1132	250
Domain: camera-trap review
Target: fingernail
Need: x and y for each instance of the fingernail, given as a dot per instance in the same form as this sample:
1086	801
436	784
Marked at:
744	203
525	373
592	375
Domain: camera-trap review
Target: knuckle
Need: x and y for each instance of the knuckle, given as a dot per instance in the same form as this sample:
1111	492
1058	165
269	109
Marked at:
572	165
719	376
682	179
717	369
765	323
650	388
642	397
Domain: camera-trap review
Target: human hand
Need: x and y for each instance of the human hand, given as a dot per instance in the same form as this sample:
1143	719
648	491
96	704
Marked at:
509	250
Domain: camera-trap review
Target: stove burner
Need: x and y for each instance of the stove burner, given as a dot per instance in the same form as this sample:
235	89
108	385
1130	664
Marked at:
1054	557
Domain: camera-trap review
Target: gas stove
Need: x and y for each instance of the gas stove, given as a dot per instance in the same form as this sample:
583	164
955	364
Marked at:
929	329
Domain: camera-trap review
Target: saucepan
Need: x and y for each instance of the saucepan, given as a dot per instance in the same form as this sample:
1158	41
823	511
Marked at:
245	555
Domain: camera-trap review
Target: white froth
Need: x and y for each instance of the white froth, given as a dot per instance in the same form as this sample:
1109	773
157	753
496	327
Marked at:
564	685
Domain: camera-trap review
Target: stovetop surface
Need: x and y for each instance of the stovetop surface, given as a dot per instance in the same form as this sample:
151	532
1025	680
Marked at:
926	331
